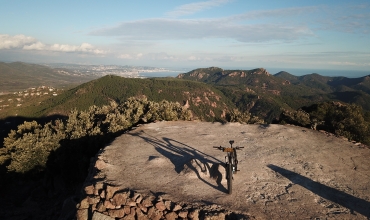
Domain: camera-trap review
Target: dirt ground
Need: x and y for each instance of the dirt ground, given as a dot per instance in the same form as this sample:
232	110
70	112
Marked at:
286	172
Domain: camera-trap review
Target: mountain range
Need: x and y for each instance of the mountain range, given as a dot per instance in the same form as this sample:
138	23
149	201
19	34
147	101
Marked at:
266	95
209	92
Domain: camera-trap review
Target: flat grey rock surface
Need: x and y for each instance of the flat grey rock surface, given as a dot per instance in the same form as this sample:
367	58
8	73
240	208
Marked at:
285	171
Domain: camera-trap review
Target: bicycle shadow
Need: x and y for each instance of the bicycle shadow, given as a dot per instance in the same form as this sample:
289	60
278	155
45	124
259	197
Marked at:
344	199
182	155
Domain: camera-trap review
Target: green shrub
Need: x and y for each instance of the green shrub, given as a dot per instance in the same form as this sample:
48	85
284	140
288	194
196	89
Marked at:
348	120
236	116
80	136
29	146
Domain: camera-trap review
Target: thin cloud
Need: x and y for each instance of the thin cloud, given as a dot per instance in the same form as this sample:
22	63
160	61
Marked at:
162	56
275	13
192	8
351	19
125	56
158	56
278	25
174	29
29	43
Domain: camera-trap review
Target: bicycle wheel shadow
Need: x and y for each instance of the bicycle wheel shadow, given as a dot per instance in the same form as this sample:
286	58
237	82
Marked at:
344	199
185	157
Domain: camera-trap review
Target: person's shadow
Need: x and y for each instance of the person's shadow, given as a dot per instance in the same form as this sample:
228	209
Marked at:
344	199
180	154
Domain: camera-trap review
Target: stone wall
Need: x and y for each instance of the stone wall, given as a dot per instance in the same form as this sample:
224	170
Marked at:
105	202
100	200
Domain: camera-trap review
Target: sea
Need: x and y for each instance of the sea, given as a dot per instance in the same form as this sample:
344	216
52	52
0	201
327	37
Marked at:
322	72
160	74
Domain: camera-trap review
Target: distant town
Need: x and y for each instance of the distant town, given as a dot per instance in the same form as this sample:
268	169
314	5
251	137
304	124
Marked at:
73	73
102	70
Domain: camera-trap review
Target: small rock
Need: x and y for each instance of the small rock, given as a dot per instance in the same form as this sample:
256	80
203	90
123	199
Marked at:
100	164
183	214
194	214
139	199
82	214
100	207
131	203
109	205
119	199
154	214
147	202
160	206
89	190
93	207
140	215
84	204
129	217
100	216
136	195
215	216
177	208
168	205
132	210
110	191
102	194
127	209
142	208
98	187
116	213
93	199
171	216
150	211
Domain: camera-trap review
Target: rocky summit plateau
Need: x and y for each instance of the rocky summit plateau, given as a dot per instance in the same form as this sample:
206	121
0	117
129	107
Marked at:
170	170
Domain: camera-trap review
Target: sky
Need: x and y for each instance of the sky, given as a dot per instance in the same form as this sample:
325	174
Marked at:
230	34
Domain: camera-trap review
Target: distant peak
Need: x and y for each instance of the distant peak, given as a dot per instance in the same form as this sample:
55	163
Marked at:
261	71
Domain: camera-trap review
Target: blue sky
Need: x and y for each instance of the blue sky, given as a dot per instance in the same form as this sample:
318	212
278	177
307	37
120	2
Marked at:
189	34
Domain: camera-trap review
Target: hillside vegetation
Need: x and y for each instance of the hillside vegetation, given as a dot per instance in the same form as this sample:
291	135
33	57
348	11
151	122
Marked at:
266	95
205	102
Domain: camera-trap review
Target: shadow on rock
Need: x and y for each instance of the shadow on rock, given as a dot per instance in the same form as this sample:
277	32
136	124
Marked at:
186	158
344	199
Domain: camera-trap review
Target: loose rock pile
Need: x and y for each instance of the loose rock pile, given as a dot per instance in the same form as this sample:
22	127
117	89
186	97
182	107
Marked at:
106	202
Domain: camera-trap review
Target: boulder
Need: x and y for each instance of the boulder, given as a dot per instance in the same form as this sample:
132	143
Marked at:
100	216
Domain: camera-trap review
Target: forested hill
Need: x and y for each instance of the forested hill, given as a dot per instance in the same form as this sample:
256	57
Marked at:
261	78
205	101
